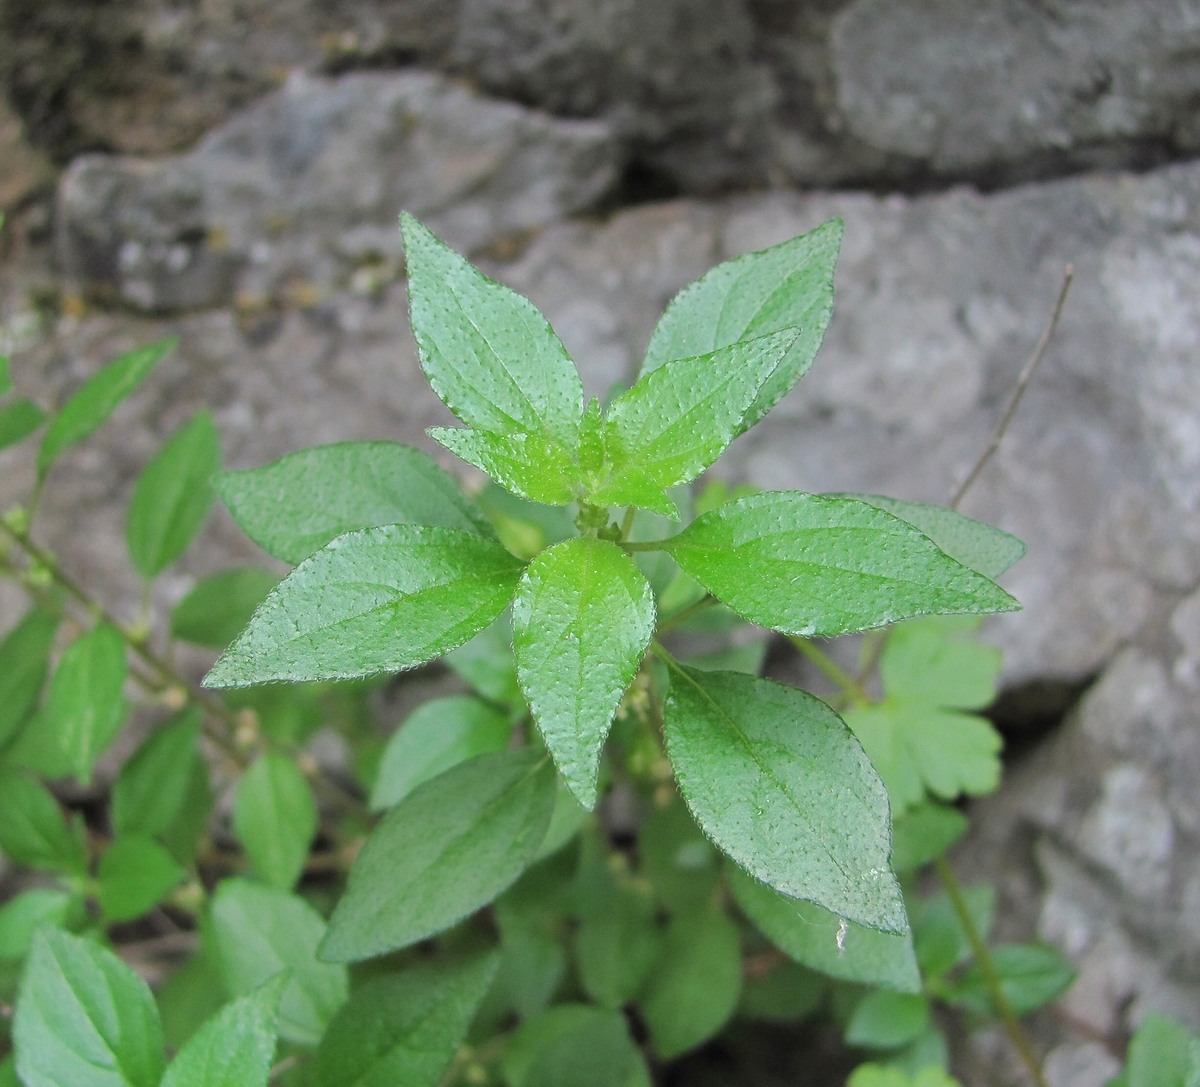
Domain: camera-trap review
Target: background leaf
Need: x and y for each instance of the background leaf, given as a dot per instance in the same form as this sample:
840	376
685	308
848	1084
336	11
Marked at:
583	617
1163	1053
448	848
275	818
403	1028
297	504
1031	975
18	420
378	600
33	830
788	285
96	399
573	1045
817	567
885	1020
22	915
134	875
776	779
24	661
84	1018
235	1047
220	605
810	935
488	353
85	707
172	496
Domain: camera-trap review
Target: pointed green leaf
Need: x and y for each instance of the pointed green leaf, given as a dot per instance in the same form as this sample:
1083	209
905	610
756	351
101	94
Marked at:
582	620
885	1020
85	707
814	566
18	420
220	605
488	353
96	399
694	991
235	1047
297	504
24	661
437	735
172	496
985	549
574	1045
825	942
275	818
787	286
678	419
260	931
134	875
531	466
1031	975
448	848
778	781
403	1028
22	915
32	828
378	600
84	1018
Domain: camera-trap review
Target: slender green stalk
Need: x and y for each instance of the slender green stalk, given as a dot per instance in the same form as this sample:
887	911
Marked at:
627	522
643	545
851	687
684	614
987	968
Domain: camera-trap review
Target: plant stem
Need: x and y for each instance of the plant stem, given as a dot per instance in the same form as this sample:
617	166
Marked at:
643	545
627	522
991	979
849	686
684	614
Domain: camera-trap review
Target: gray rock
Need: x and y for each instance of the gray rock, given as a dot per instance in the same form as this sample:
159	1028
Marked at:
303	190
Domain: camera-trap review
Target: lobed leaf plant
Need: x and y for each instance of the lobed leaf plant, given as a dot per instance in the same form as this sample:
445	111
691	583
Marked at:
614	837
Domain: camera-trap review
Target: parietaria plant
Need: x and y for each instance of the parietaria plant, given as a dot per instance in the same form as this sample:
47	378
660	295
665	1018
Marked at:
770	866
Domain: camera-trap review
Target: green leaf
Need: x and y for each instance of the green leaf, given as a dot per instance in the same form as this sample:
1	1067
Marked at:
486	663
678	419
33	830
85	706
681	864
299	503
985	549
695	989
192	995
258	932
1163	1053
437	735
923	834
617	946
583	618
378	600
275	818
220	605
573	1045
566	820
18	420
235	1047
6	384
23	915
403	1028
814	566
488	353
531	466
95	400
24	661
787	286
1030	975
825	942
878	1075
172	496
776	779
884	1020
444	851
938	936
135	874
84	1018
939	662
140	804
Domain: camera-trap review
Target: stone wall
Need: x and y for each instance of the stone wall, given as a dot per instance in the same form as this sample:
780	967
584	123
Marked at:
230	171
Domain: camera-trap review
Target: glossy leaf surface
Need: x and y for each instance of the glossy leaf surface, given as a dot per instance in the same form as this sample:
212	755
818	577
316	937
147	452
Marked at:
172	496
824	942
378	600
403	1028
84	1018
275	818
448	848
777	780
583	617
96	399
297	504
814	566
531	466
488	353
788	285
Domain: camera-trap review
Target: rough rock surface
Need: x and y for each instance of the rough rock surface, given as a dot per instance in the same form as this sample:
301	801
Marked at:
301	191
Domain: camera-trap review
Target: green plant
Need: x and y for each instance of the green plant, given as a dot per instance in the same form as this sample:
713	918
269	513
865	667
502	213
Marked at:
504	927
